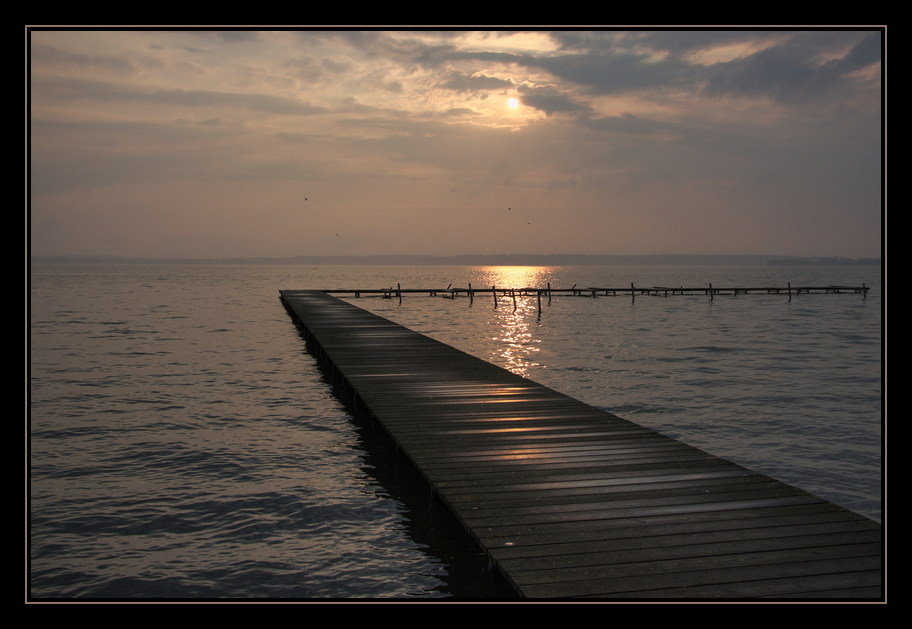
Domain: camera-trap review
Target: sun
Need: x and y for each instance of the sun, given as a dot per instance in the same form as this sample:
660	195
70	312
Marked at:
513	103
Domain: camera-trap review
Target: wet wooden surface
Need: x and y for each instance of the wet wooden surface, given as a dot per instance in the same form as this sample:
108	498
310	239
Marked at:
570	501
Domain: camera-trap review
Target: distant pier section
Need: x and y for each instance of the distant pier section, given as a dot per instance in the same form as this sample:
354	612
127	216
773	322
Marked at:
569	501
451	291
548	292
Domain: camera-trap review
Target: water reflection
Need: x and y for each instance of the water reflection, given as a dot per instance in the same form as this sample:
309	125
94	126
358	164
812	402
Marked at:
515	276
517	315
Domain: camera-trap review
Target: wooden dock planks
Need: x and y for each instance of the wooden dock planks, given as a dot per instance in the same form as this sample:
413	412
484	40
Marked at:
570	501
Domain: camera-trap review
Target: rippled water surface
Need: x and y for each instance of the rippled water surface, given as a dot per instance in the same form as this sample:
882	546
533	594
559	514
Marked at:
184	444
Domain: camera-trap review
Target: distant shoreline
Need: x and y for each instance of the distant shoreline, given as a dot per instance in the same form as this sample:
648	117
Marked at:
484	260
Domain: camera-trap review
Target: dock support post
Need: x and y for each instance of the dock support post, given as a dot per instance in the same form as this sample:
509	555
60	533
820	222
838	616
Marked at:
494	292
710	291
632	296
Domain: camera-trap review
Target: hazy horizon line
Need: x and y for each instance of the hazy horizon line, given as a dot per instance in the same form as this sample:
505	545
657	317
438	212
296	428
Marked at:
508	259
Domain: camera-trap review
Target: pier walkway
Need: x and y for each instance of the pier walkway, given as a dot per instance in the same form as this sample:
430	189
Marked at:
569	501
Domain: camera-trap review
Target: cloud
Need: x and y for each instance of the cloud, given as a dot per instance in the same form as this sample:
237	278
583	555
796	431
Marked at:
548	100
790	73
785	67
458	112
863	54
462	82
627	123
616	73
67	89
123	64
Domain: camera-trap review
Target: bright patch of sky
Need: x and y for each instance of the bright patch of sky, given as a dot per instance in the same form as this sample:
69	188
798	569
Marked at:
206	143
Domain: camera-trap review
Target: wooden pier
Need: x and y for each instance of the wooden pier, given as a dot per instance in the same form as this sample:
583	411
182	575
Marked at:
569	501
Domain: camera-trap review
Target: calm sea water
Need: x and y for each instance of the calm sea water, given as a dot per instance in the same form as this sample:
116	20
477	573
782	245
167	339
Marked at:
183	443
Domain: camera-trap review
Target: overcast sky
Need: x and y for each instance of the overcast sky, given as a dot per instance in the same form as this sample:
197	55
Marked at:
244	143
